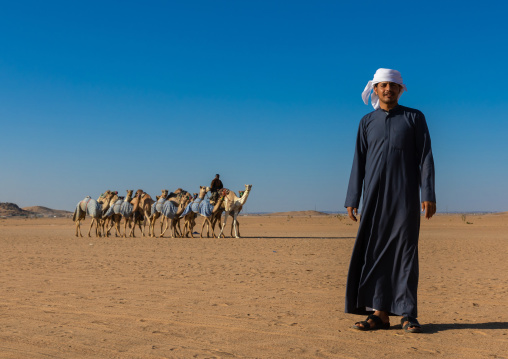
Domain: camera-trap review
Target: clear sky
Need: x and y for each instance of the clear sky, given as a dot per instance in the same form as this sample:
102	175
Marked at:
98	95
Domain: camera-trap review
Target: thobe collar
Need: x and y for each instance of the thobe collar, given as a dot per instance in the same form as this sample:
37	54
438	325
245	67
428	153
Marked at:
392	111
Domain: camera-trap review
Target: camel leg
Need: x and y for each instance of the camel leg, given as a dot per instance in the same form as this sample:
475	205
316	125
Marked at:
125	227
235	214
150	232
145	220
190	227
98	226
131	234
111	224
90	229
78	228
203	226
179	229
176	228
215	219
163	219
208	225
224	225
237	227
118	219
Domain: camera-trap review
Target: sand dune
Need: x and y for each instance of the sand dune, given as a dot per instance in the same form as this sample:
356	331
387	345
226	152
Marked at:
276	293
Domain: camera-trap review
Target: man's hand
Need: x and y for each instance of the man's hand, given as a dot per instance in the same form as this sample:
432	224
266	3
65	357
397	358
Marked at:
353	212
429	208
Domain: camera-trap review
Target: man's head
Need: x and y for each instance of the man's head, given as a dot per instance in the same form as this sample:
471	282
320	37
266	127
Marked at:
388	87
217	176
388	92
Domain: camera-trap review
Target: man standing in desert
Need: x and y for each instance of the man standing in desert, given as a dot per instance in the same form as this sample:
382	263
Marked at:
392	163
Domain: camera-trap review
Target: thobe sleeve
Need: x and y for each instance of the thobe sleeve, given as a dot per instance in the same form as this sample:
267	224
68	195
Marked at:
426	160
354	191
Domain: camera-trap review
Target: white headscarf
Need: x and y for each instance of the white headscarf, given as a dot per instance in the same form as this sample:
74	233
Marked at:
381	75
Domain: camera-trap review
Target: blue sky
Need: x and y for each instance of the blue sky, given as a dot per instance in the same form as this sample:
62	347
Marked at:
164	94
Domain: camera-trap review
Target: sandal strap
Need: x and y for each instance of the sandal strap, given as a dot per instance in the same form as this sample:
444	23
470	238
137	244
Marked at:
411	322
366	324
379	323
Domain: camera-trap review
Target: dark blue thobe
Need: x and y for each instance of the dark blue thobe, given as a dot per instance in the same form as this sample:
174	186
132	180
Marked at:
393	161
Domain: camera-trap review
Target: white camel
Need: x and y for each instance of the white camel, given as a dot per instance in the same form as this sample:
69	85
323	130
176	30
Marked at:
91	207
232	206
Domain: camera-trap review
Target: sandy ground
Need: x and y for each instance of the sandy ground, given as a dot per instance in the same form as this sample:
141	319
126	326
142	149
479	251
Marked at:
278	292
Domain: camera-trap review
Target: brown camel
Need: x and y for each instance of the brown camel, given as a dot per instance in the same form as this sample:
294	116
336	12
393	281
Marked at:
172	210
155	211
121	208
209	216
190	212
142	208
107	199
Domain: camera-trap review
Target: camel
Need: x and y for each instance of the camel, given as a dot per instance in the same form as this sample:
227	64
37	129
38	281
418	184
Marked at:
232	206
94	209
216	218
191	210
209	211
172	210
156	211
121	208
107	199
142	208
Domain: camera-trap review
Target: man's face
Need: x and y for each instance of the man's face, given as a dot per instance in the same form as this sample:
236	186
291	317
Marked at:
388	92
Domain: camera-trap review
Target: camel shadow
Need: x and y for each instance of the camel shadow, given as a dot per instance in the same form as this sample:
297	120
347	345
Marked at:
294	237
436	328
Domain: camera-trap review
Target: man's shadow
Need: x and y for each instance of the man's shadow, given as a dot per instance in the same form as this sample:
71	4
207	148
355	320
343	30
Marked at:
436	328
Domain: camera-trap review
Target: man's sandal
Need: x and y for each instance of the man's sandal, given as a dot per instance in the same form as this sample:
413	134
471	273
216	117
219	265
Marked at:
411	322
366	325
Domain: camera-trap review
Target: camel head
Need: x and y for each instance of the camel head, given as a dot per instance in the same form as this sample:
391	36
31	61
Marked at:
202	191
103	195
129	192
164	193
114	197
186	198
248	187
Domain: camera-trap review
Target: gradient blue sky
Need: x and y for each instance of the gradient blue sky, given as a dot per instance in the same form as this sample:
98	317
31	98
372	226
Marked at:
164	94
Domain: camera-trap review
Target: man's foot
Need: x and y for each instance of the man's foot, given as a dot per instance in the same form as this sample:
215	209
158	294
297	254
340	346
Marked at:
410	325
378	320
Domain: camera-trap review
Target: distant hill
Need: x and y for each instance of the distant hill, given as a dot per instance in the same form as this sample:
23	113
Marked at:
47	212
12	210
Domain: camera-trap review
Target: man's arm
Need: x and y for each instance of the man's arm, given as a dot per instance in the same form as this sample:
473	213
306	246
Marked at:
426	165
354	191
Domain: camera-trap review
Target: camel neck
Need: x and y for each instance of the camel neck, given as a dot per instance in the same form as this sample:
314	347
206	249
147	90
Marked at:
245	195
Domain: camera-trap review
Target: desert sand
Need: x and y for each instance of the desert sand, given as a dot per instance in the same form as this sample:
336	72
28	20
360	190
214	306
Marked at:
278	292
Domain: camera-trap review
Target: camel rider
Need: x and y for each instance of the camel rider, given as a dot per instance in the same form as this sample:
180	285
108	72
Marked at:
215	186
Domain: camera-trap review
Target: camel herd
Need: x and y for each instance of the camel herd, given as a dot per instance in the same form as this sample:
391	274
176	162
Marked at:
171	208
